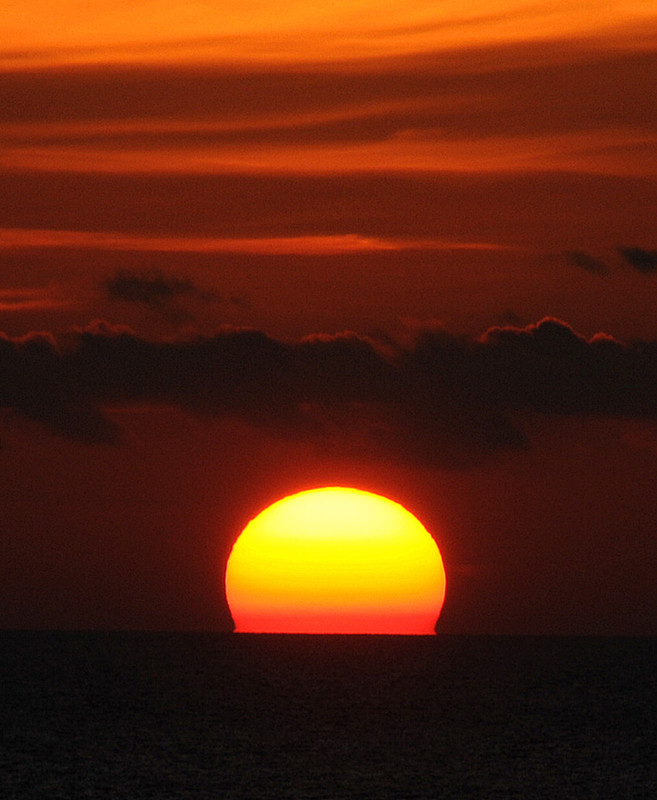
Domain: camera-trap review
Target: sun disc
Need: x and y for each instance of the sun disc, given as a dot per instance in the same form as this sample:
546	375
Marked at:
335	560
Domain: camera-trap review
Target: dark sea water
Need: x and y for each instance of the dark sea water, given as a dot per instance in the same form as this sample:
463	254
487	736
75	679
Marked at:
175	715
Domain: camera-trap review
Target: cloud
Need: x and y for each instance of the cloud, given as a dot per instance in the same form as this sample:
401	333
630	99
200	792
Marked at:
127	285
522	106
30	299
170	295
37	383
250	208
444	399
579	258
458	90
149	289
643	260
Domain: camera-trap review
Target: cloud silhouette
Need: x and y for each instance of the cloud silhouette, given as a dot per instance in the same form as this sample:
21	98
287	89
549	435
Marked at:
583	260
643	260
444	399
148	288
173	297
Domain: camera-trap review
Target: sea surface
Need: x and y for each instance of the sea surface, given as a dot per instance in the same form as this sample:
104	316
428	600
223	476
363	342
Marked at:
189	715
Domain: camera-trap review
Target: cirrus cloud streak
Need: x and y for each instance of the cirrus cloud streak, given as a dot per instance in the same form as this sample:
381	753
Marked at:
523	107
281	245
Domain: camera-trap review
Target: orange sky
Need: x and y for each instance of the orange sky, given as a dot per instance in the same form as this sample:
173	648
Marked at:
394	94
483	87
36	30
168	171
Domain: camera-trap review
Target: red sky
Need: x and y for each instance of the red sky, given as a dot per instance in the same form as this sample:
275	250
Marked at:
436	182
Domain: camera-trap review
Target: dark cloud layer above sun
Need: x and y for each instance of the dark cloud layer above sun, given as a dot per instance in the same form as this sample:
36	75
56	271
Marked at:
443	399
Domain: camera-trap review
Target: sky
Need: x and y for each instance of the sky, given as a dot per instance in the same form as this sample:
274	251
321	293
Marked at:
248	250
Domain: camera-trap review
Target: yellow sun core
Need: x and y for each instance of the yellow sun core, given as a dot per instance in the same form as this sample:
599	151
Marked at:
335	560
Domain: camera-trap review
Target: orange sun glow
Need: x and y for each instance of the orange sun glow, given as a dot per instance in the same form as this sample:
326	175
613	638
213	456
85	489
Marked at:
335	560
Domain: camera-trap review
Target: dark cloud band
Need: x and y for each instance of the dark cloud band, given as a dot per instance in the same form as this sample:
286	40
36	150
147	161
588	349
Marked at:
443	400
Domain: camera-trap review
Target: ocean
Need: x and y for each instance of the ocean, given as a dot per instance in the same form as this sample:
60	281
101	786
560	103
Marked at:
222	716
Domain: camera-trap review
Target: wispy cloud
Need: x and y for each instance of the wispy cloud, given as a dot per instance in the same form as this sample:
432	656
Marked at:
37	299
517	108
282	245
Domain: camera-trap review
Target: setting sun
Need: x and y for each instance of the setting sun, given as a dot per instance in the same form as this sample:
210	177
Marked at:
335	560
